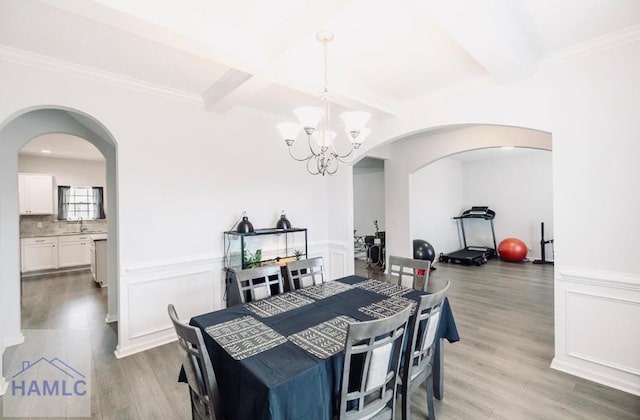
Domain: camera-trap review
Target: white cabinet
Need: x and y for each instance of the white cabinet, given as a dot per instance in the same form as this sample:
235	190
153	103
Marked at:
74	250
39	254
35	193
99	261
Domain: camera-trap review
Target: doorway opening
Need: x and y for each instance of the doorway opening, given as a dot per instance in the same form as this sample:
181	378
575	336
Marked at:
62	186
18	131
369	214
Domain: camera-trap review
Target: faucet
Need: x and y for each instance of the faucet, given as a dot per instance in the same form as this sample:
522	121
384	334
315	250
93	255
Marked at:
82	226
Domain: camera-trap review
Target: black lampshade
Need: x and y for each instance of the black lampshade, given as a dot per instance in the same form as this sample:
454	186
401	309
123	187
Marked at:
283	222
244	226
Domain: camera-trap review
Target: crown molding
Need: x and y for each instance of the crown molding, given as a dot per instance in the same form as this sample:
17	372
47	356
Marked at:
602	43
93	74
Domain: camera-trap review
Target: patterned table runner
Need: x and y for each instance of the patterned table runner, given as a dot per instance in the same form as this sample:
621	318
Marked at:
278	304
325	339
324	290
388	307
383	288
245	337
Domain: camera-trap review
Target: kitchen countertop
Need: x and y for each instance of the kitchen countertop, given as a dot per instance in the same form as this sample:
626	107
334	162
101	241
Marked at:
47	235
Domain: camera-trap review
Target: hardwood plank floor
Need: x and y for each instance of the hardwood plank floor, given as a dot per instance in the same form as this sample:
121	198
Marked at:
499	369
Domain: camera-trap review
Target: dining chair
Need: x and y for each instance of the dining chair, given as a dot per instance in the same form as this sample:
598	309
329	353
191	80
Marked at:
305	273
409	272
203	388
259	283
419	354
370	371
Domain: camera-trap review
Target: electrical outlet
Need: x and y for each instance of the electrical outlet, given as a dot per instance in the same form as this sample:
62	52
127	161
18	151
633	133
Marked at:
39	224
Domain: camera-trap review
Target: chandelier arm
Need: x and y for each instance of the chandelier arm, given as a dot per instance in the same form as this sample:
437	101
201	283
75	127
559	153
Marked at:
342	157
309	170
335	171
313	152
298	159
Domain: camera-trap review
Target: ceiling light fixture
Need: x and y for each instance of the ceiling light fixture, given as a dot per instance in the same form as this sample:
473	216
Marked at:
323	158
45	151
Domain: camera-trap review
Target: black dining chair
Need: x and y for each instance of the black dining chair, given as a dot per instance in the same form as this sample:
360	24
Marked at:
409	272
203	388
371	363
419	354
305	273
259	283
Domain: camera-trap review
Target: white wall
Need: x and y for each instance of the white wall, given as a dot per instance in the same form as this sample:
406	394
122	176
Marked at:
519	189
368	200
588	100
184	176
72	172
436	195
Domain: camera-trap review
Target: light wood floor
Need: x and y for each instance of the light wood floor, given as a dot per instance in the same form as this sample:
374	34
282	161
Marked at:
499	369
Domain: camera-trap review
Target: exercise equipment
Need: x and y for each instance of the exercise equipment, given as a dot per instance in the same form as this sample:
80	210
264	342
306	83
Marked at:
422	250
375	250
543	242
472	255
512	250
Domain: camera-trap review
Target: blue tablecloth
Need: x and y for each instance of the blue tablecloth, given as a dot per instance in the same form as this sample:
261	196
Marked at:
287	382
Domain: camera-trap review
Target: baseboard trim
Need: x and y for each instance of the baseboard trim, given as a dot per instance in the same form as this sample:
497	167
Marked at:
124	351
13	341
589	374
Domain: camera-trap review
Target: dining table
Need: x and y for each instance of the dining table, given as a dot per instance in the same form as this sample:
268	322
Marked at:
282	357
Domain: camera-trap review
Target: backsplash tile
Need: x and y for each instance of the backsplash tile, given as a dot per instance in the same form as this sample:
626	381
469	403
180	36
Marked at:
52	226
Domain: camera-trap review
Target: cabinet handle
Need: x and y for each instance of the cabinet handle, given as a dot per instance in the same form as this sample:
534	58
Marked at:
39	240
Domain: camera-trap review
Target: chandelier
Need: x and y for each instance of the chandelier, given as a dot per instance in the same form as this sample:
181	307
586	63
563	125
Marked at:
323	157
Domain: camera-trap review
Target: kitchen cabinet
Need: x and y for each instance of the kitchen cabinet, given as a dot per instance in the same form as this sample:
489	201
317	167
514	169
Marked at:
35	193
74	250
99	261
39	254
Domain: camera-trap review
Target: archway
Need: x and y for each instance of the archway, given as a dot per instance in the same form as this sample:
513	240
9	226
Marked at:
15	132
415	150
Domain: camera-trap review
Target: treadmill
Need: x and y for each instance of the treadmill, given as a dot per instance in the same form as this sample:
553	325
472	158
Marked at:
473	255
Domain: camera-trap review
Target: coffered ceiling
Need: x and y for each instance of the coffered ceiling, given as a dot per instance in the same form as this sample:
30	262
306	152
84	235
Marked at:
262	55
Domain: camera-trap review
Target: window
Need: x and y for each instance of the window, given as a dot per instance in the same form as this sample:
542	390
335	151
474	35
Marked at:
80	202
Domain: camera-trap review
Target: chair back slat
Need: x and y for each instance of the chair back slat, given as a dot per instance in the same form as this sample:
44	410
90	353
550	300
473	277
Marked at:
259	283
409	272
203	387
423	330
371	362
305	273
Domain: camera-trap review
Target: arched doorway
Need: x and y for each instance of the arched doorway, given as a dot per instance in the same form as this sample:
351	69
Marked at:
18	130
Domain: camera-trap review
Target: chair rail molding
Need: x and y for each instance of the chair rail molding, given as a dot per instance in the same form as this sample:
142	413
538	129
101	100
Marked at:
594	336
194	284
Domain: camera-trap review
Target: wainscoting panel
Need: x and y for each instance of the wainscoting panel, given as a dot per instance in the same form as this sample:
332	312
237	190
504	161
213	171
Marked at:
597	333
193	286
339	257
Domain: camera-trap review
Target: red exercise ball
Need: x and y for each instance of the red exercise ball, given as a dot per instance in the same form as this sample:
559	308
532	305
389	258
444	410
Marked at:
512	249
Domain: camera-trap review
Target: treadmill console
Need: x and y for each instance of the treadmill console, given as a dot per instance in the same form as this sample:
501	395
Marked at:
478	212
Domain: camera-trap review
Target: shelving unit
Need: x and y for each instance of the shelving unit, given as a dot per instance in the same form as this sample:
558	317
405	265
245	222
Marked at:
275	245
